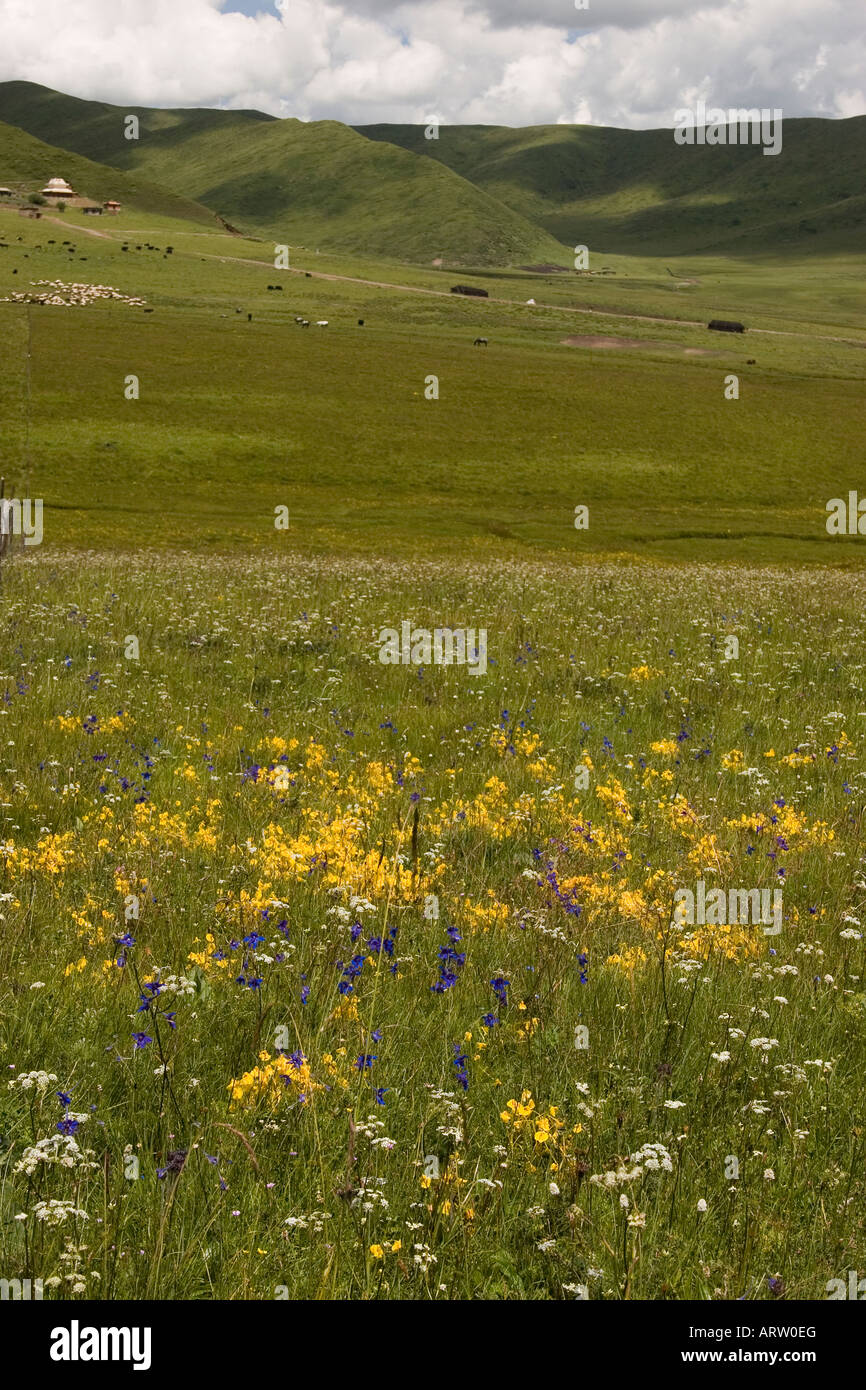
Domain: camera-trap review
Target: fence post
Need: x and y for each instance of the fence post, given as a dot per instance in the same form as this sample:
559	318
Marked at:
4	533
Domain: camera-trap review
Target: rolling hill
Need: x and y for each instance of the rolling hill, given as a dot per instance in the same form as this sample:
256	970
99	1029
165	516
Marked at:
479	195
27	163
317	184
633	191
96	129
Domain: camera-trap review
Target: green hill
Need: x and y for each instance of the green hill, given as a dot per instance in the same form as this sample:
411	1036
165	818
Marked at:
631	190
96	129
317	184
322	184
479	195
26	164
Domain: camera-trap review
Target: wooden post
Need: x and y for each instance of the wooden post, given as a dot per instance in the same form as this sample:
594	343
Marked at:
4	535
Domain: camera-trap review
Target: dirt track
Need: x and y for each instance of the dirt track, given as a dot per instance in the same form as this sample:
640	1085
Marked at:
519	303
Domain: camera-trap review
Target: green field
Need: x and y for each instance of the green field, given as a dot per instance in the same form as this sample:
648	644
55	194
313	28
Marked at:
265	814
235	418
327	978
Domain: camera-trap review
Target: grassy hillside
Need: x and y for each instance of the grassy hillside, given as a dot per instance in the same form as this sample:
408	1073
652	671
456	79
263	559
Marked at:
483	195
96	129
318	184
627	191
323	184
26	163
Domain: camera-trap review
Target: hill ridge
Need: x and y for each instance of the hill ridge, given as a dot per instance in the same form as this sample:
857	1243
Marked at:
479	194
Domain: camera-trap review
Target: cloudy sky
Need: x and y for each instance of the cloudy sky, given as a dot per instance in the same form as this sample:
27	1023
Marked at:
505	62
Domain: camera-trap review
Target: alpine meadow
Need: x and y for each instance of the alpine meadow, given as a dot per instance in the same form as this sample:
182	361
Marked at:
433	689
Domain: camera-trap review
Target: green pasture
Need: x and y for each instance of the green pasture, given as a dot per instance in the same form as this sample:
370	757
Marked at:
237	416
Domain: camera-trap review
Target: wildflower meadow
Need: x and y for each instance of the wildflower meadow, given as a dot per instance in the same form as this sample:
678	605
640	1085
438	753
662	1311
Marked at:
329	977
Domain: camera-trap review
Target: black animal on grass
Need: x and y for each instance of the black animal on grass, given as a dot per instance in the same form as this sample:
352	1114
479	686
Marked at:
726	326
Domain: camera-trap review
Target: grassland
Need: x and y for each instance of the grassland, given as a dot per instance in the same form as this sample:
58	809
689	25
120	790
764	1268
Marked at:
319	182
481	194
282	1074
323	978
236	417
637	192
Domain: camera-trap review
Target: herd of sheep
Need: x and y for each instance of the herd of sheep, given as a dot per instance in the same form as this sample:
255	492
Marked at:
60	293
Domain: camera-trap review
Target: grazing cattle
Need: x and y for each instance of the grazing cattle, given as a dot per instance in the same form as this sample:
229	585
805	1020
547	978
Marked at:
309	274
305	323
249	318
750	362
726	326
321	323
480	342
299	318
531	301
360	323
469	289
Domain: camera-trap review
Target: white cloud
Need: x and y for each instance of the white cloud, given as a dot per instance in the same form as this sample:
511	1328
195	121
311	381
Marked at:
510	62
558	14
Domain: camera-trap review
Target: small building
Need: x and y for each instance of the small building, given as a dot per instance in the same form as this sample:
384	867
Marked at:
92	209
57	188
111	206
5	192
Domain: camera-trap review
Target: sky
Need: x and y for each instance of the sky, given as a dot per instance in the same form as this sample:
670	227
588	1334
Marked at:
629	63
